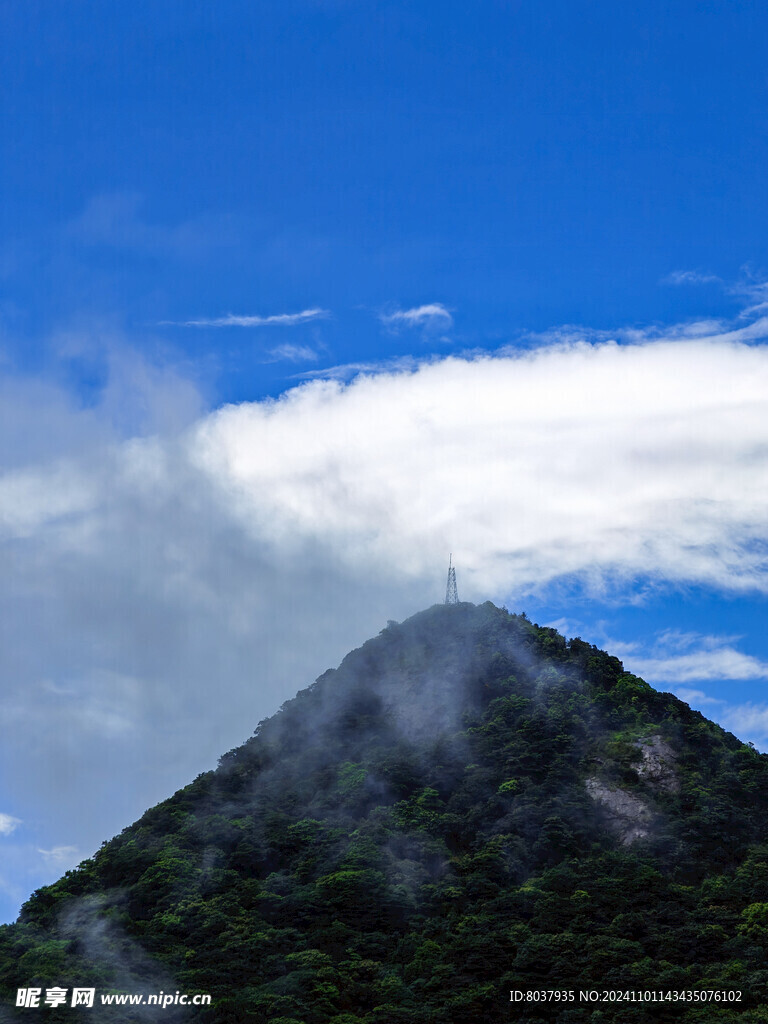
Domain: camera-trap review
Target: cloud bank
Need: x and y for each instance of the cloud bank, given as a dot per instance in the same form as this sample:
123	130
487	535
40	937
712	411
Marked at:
607	462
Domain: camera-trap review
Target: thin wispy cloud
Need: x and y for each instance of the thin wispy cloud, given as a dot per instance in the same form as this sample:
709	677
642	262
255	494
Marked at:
683	658
432	315
695	698
293	354
678	657
348	371
691	277
8	824
753	288
61	856
116	220
700	666
712	331
238	320
749	721
669	641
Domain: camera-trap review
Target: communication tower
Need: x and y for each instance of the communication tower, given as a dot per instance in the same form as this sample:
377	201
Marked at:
451	593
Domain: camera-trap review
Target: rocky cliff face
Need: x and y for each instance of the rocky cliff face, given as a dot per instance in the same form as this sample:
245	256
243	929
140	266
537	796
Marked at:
658	764
629	815
626	815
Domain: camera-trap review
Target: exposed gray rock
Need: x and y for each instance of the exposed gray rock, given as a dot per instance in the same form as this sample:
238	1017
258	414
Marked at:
658	764
628	815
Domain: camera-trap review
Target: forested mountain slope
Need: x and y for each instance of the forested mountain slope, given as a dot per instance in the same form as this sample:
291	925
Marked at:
468	806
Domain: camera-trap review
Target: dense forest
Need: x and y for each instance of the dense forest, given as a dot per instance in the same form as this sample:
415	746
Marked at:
470	806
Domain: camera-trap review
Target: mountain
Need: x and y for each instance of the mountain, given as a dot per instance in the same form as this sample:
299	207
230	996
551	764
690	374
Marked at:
468	814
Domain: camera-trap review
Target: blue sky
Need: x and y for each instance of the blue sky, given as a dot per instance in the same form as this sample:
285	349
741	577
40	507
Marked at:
506	264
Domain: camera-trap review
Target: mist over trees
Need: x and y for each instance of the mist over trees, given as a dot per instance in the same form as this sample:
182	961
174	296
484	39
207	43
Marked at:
468	805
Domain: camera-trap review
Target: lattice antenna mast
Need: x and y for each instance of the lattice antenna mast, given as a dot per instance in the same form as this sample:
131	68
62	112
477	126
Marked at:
451	593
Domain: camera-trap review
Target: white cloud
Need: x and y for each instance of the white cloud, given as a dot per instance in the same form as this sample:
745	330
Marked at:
434	314
605	461
8	824
235	320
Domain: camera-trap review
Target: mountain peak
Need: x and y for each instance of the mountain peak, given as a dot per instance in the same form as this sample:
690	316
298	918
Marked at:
468	803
